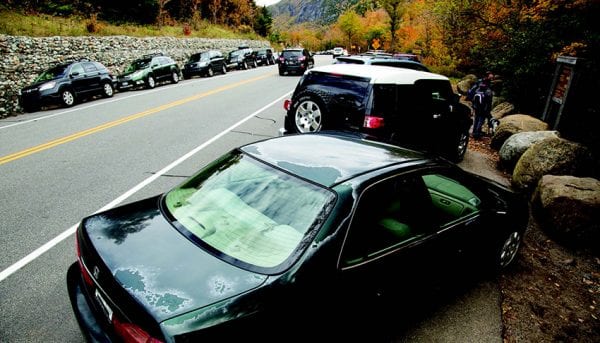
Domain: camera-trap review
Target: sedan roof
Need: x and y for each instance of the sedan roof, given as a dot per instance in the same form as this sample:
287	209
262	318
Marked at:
329	158
379	74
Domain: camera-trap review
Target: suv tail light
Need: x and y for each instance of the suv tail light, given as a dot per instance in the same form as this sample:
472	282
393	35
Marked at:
301	58
287	104
131	333
372	122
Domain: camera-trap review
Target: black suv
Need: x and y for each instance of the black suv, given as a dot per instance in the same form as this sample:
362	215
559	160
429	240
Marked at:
243	58
396	105
205	63
148	71
295	60
380	61
265	57
66	83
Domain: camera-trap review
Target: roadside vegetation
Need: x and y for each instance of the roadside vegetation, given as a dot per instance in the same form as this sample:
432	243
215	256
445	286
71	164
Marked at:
518	40
176	18
45	25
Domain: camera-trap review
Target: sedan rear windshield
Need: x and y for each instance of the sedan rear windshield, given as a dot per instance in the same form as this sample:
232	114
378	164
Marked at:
249	213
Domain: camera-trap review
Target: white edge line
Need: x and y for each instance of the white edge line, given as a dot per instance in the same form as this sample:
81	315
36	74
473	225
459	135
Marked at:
61	237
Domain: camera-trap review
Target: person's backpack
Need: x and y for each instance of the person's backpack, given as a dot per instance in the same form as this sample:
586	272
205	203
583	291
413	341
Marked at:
478	99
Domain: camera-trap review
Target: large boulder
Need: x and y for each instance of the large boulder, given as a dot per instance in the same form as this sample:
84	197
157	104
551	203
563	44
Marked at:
515	146
568	208
515	123
466	83
463	86
554	156
502	110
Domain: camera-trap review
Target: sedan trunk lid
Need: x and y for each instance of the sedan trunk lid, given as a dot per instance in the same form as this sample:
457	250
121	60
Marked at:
155	264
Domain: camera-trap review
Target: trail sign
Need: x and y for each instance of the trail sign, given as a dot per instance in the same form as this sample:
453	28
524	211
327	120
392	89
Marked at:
375	44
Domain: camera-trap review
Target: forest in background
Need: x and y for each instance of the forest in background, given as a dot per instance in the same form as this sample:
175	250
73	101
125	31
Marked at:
518	39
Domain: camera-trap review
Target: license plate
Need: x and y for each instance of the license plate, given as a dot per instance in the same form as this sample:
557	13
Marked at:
104	305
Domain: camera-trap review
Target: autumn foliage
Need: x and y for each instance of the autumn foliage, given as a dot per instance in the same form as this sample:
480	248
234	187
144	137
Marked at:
517	39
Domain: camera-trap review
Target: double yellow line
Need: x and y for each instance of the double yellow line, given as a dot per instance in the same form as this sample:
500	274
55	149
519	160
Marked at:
66	139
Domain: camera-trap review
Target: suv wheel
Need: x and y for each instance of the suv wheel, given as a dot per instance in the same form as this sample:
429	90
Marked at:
254	64
460	147
150	83
107	90
224	70
175	77
509	249
67	98
309	113
245	65
210	72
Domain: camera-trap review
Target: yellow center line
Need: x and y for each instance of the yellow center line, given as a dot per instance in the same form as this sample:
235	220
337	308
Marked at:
66	139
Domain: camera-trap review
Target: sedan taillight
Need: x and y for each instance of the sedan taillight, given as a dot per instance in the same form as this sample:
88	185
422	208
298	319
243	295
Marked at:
287	104
86	275
372	122
131	333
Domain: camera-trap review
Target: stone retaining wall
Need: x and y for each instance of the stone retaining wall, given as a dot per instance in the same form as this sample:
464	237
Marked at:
23	58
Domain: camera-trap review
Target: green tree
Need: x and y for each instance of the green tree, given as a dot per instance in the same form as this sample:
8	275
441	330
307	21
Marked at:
349	23
263	22
395	10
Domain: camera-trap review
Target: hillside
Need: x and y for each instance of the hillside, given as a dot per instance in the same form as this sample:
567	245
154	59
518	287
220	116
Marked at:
314	11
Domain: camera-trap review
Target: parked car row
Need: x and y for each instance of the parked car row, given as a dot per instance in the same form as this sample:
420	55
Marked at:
69	82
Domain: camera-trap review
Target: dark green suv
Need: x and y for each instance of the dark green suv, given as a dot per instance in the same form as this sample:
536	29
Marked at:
148	71
66	83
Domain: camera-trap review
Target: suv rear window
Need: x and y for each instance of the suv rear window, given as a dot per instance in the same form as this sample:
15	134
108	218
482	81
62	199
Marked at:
358	86
292	53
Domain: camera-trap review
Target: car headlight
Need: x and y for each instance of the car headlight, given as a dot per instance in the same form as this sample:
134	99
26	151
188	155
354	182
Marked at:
48	85
137	75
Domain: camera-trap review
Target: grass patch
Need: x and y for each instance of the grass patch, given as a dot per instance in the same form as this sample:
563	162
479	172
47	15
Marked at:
43	25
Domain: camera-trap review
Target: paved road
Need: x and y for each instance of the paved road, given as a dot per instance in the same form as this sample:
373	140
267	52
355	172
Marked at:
59	165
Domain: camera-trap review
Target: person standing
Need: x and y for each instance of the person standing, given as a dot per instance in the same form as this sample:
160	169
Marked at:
481	96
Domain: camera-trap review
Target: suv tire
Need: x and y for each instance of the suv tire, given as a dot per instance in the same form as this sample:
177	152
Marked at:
224	70
210	72
175	77
67	98
150	82
309	112
107	90
459	148
245	65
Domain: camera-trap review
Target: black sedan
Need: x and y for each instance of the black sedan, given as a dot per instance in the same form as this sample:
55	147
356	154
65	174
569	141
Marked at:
285	236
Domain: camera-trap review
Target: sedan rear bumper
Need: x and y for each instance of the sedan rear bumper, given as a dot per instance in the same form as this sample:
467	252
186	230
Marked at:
86	317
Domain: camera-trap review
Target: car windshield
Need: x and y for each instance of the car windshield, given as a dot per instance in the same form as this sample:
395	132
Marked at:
249	211
236	53
199	57
138	65
52	73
